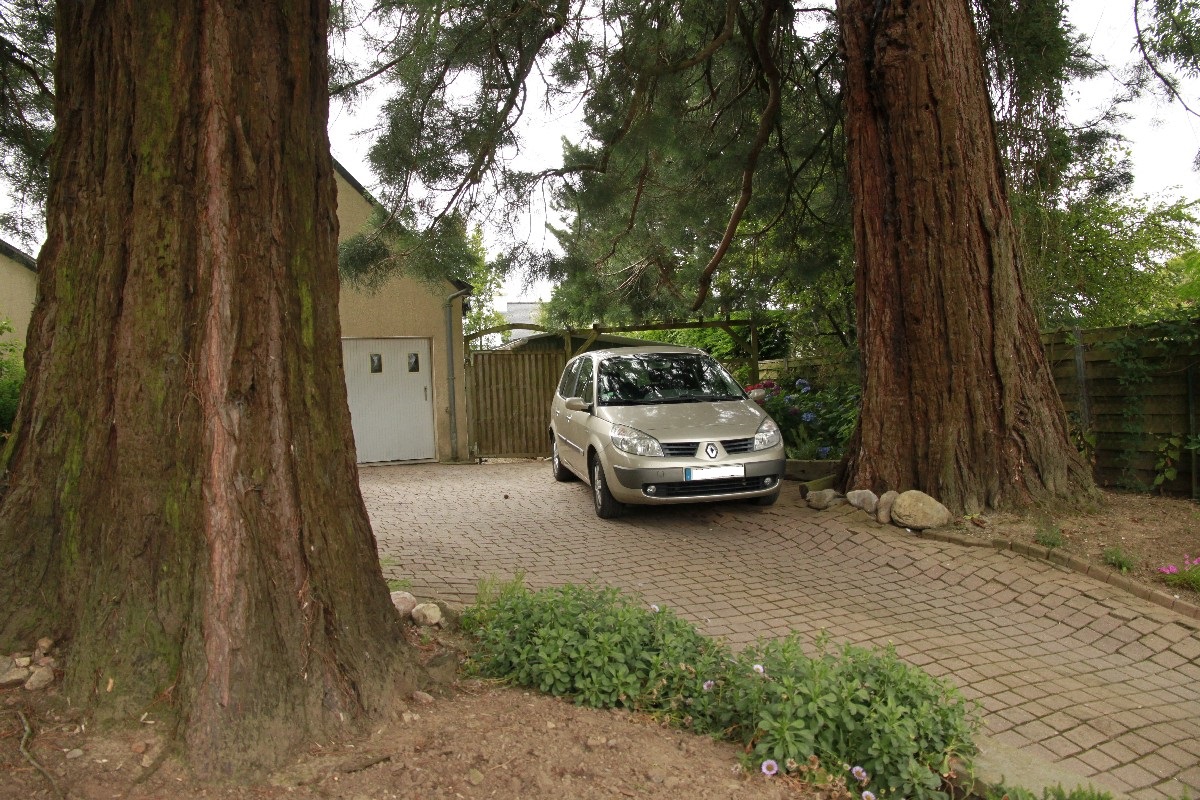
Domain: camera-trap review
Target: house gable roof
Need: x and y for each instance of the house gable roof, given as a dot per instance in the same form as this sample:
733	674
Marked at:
18	256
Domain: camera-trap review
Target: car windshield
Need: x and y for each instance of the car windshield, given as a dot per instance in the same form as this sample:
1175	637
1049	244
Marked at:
646	378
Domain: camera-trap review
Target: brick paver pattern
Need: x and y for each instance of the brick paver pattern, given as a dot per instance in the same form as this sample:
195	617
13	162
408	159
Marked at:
1066	669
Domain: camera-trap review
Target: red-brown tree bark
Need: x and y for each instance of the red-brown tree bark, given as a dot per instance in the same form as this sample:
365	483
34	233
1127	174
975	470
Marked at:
958	400
182	502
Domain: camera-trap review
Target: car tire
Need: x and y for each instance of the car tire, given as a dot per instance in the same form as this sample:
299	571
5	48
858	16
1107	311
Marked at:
768	499
561	473
607	506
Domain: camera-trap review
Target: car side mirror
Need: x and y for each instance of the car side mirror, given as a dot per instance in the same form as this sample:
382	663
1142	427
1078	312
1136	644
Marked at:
577	404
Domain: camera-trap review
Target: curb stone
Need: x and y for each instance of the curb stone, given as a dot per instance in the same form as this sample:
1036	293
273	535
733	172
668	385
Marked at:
1074	564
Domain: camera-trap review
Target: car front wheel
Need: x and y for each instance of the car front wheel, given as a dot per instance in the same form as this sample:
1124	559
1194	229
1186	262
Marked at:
561	473
607	506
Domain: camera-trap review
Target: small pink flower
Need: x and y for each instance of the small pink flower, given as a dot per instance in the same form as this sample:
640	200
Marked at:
769	768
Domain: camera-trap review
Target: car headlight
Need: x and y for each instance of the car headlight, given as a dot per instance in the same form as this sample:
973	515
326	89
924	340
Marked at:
768	435
632	441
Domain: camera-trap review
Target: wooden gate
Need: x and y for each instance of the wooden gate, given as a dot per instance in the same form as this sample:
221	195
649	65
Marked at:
508	397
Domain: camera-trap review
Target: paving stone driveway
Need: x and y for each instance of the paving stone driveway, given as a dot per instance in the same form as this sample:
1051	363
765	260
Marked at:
1069	671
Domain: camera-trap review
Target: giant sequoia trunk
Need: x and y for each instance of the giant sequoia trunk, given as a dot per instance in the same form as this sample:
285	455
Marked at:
958	400
182	502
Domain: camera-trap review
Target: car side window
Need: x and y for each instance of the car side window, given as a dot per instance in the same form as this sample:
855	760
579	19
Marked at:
586	387
566	386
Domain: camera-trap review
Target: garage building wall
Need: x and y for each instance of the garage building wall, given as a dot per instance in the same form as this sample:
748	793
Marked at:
404	306
18	288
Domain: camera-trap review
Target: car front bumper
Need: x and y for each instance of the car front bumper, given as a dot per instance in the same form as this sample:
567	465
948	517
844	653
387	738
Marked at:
668	484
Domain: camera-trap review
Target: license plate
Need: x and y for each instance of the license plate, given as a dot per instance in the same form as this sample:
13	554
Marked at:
713	473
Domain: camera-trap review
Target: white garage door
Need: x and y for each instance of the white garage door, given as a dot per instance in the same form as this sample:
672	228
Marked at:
390	388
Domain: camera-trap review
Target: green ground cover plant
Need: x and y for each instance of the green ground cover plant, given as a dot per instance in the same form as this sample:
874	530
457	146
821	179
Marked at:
1049	537
1186	573
1116	557
846	714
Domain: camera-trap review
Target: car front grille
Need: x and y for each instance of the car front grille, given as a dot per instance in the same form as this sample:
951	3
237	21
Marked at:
706	488
685	449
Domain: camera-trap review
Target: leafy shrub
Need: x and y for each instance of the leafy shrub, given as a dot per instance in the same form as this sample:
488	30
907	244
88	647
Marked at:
592	645
1116	557
851	706
12	375
816	423
847	706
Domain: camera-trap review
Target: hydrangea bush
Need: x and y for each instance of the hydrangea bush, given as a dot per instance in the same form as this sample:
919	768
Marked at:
816	422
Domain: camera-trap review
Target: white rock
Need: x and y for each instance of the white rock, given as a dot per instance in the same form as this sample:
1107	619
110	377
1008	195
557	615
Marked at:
14	676
917	510
864	499
404	602
22	661
424	698
40	679
823	499
427	614
883	509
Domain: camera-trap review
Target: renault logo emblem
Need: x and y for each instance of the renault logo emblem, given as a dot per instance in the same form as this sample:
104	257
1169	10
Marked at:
710	450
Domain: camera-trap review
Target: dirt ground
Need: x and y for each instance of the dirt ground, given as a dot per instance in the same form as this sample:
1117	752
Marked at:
480	740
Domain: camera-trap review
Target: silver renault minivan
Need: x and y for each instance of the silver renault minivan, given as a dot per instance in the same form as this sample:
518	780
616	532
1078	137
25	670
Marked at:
661	424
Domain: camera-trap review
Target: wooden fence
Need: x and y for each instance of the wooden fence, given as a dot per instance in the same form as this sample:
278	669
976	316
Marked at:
508	400
1127	391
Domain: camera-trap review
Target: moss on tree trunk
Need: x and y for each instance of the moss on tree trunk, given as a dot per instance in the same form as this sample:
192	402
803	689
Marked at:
182	501
958	400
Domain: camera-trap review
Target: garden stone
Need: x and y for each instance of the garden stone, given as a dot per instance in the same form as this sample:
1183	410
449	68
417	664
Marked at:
40	679
825	498
883	509
427	614
404	602
863	499
44	646
22	661
917	510
14	676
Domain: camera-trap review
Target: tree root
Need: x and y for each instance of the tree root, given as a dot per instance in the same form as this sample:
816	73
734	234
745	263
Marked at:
25	737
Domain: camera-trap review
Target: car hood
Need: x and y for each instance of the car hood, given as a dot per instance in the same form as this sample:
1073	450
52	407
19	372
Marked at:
734	419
